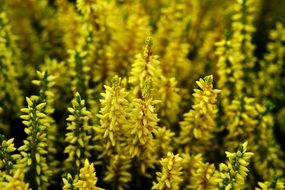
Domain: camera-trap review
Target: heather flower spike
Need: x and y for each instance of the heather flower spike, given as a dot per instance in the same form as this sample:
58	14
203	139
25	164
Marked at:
234	172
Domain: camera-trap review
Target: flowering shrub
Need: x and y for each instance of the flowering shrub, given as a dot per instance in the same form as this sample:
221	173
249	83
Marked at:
142	94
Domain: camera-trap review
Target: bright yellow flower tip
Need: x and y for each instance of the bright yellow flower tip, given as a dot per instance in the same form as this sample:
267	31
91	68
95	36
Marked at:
87	178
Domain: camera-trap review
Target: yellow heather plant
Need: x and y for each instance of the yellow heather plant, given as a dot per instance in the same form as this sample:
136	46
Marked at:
190	164
235	52
163	140
241	117
113	118
11	99
137	28
146	66
15	182
272	164
87	178
46	95
35	149
79	69
245	117
78	136
243	47
83	80
170	101
68	182
170	176
58	79
68	20
197	174
199	123
7	158
118	174
206	177
276	183
272	64
232	174
100	48
150	93
142	127
173	48
112	132
228	72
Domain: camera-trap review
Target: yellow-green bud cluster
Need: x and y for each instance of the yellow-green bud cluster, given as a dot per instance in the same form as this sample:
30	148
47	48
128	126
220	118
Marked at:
78	135
171	175
34	151
7	156
233	174
87	178
275	184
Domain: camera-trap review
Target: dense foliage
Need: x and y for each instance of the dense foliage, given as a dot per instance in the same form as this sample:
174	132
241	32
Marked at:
142	94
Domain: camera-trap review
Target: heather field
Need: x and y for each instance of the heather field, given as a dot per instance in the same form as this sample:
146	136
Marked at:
142	94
